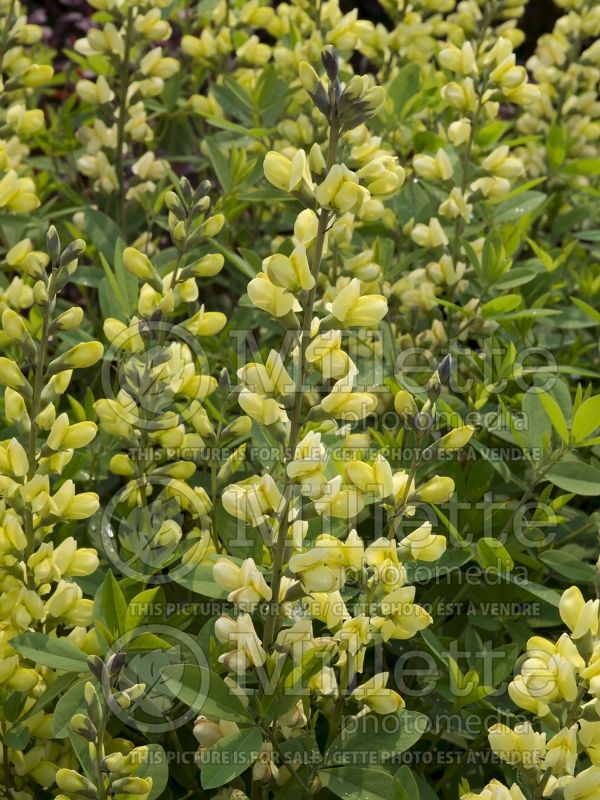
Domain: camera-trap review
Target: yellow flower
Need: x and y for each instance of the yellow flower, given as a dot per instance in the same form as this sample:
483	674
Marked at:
245	584
343	403
437	490
275	300
353	310
549	671
376	479
423	545
341	190
382	556
291	273
307	467
374	694
82	355
457	438
11	375
521	745
458	60
580	617
589	736
252	500
36	75
429	236
341	502
18	194
324	568
263	384
561	754
325	351
289	175
584	786
436	168
496	791
401	618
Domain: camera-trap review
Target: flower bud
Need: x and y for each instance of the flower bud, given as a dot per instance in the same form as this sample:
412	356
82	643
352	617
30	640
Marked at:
212	226
72	318
132	785
331	61
437	490
82	355
40	293
457	438
11	375
404	403
138	264
84	727
206	267
14	326
53	244
72	251
71	781
308	77
36	75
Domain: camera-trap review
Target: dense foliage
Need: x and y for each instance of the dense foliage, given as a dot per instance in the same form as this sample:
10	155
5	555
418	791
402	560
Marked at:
300	439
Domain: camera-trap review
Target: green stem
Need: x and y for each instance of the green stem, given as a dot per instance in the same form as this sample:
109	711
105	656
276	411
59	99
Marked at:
213	482
6	30
100	755
6	764
411	476
295	417
570	719
38	385
122	108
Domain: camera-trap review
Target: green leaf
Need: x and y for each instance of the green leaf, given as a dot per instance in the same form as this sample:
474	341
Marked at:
47	651
204	691
555	415
368	743
110	610
493	555
157	768
200	581
576	477
238	262
58	685
406	782
591	312
102	231
538	433
358	783
514	207
587	419
569	566
72	702
219	163
17	737
501	305
81	750
582	166
229	757
145	608
556	145
535	589
405	86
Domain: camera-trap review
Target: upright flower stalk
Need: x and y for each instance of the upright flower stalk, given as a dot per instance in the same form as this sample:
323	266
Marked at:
296	506
38	570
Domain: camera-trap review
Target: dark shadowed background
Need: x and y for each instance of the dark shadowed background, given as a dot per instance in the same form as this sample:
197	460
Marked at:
67	19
